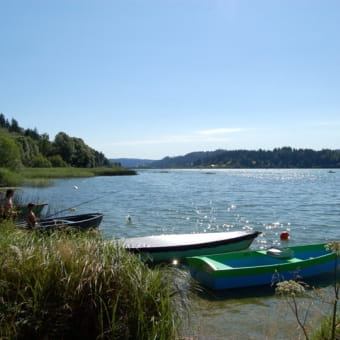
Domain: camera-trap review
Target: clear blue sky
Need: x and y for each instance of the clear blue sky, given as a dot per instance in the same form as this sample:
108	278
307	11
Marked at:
152	78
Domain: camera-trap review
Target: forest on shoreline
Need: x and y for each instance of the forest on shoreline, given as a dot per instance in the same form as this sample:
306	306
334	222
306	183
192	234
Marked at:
30	158
26	147
21	147
279	158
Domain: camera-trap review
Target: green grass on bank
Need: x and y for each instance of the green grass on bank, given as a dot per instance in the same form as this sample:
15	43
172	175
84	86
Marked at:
44	176
78	286
73	172
9	178
33	173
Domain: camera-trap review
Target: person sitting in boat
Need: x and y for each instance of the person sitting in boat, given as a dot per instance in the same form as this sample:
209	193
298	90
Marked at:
7	208
30	218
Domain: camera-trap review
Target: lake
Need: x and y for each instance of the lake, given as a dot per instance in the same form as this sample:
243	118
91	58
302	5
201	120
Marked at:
305	202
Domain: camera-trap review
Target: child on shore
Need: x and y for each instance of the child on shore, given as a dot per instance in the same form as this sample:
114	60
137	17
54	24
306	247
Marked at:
30	218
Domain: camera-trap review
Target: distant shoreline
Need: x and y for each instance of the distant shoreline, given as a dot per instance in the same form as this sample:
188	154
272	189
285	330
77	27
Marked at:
279	158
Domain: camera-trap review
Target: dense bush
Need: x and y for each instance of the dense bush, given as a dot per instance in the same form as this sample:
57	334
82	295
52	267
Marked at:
57	161
39	161
78	286
9	178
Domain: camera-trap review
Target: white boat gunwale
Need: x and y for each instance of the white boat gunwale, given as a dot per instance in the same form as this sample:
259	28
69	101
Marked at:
136	248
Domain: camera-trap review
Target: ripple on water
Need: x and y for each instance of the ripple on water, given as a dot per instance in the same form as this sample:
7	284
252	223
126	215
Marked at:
305	202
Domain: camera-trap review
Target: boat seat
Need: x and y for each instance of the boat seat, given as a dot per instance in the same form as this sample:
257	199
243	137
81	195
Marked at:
293	260
280	253
215	264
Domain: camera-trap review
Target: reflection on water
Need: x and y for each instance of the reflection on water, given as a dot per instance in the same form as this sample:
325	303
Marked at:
255	313
304	202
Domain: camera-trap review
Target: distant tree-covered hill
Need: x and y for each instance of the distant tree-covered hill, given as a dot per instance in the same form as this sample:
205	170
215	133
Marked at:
132	162
26	147
285	157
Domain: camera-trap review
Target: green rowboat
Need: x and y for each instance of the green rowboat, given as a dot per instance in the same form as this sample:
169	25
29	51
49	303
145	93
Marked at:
261	267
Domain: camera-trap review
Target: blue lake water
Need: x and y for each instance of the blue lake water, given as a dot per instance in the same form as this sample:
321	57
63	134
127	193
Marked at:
304	202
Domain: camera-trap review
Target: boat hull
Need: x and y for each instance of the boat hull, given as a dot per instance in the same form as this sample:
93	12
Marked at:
256	268
168	248
77	222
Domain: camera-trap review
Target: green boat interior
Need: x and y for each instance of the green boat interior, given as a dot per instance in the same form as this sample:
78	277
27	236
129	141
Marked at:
256	259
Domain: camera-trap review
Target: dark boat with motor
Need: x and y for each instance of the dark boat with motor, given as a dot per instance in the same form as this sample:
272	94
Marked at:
173	247
81	222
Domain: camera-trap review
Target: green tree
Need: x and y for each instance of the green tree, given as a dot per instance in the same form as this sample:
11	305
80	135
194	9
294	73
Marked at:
100	159
32	133
39	161
75	152
28	149
45	146
9	153
83	155
57	161
64	146
14	127
2	120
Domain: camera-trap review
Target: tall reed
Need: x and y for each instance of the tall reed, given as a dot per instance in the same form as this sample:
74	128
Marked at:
78	286
330	325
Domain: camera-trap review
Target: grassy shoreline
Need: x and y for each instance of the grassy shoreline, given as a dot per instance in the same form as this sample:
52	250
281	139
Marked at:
79	286
73	172
45	176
